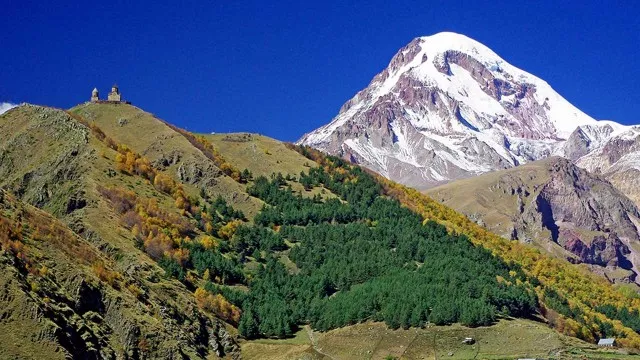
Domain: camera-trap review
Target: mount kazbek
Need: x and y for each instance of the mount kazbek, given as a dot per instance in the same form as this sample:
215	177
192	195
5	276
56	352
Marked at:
447	107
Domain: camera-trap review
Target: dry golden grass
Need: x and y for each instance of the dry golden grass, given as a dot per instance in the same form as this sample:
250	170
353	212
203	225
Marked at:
147	135
260	154
481	196
508	339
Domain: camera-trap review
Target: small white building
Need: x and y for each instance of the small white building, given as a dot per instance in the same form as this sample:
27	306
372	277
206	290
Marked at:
611	342
94	95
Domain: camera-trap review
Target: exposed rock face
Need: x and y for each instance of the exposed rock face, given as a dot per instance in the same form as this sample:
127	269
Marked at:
447	107
574	205
553	203
574	196
609	251
584	139
617	159
55	183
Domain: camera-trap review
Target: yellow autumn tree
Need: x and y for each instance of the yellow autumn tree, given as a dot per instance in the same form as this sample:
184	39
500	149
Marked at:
226	232
217	305
208	242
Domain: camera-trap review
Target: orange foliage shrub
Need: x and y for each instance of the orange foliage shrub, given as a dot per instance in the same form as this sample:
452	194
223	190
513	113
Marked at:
181	256
11	241
159	230
209	242
111	277
164	183
158	245
133	163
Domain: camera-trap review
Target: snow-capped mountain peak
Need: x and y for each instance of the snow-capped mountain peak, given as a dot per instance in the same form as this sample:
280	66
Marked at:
448	107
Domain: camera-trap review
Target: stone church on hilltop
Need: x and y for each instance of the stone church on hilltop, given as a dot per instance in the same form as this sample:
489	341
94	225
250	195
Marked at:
114	96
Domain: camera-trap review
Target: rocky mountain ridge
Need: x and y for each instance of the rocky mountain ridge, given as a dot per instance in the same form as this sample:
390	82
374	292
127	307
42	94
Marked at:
617	159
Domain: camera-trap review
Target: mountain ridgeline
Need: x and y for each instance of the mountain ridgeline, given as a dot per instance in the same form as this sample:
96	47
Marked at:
127	237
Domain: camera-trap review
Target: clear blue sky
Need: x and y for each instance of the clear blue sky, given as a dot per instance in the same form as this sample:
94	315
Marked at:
284	69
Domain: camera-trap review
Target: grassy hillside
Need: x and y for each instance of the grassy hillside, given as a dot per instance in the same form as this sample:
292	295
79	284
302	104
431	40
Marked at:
166	149
508	339
195	239
490	197
66	179
262	155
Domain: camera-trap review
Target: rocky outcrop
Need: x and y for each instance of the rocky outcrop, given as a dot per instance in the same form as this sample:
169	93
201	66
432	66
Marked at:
64	305
584	214
602	251
617	158
58	145
585	139
556	205
588	202
197	173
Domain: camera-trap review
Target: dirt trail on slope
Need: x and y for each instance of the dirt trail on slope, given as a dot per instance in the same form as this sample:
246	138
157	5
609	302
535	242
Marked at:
314	343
